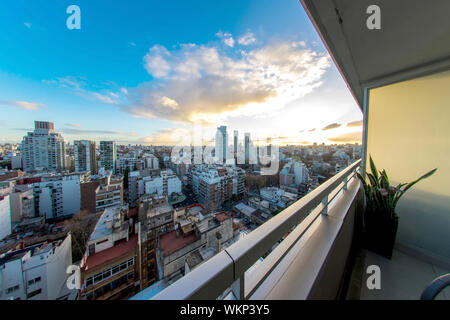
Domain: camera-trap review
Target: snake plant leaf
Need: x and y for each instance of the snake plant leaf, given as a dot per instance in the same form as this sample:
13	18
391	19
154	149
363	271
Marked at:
373	168
409	185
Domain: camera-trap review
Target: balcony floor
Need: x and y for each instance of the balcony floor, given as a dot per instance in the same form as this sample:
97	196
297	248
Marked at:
402	278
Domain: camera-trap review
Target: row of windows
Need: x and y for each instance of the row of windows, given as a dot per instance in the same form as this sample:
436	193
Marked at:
12	289
33	281
110	286
99	277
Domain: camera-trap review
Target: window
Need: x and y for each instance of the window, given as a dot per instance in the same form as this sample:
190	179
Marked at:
89	281
107	274
90	296
131	262
34	293
102	241
33	281
130	275
115	270
12	289
98	278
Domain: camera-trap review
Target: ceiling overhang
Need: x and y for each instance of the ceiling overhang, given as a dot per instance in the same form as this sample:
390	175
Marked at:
414	39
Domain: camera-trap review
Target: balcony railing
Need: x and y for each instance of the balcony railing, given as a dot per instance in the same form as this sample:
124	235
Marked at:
229	269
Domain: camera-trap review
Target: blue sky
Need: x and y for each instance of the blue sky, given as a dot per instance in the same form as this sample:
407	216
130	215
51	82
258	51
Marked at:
150	71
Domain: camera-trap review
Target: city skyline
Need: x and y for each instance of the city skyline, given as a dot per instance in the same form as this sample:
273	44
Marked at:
154	82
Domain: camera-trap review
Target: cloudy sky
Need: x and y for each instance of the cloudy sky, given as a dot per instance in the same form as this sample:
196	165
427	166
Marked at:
159	72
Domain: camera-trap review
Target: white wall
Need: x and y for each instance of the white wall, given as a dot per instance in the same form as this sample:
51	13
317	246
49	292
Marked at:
10	276
154	186
5	217
408	134
173	185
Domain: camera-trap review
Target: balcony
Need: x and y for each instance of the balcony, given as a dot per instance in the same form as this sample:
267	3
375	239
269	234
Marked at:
308	263
399	76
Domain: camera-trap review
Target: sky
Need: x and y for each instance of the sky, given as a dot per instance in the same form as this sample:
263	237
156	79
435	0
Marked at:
169	72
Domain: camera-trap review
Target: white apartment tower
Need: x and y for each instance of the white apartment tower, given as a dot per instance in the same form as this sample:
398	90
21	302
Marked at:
43	148
85	156
108	155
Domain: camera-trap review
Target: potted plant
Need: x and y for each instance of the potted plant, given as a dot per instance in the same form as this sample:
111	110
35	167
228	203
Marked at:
380	221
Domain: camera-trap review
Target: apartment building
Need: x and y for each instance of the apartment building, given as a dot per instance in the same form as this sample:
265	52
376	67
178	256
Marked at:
131	162
57	195
293	174
37	272
43	149
85	156
109	194
109	267
165	184
108	156
156	216
87	190
214	185
22	203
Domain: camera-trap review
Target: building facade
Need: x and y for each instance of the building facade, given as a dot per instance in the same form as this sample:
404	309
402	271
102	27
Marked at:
108	155
85	158
57	196
37	272
43	149
109	267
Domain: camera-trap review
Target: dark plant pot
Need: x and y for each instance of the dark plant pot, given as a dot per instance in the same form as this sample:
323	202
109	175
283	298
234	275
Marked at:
379	234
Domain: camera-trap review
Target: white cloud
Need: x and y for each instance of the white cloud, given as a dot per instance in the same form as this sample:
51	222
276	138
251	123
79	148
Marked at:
27	24
226	37
23	104
209	85
246	39
156	63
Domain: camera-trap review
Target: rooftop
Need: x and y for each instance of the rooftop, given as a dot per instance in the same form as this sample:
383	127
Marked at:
223	216
119	250
170	242
102	229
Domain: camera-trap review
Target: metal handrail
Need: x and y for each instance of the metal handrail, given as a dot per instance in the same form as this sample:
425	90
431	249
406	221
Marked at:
213	277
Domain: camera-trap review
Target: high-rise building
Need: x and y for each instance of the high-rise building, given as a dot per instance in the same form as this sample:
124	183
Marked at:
235	144
247	147
108	155
85	156
43	148
221	144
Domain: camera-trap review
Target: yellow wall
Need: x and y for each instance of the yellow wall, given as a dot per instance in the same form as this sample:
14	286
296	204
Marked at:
409	134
